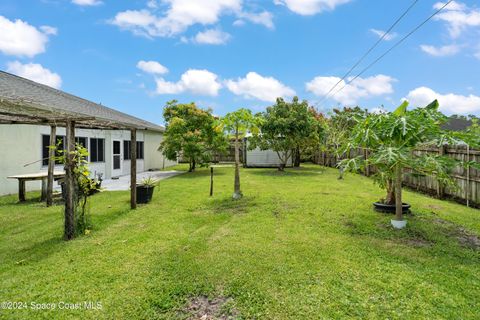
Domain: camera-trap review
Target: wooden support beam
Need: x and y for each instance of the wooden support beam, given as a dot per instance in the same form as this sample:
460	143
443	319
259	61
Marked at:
133	169
70	182
51	165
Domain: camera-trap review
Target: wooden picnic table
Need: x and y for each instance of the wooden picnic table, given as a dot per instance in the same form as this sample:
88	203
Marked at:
22	178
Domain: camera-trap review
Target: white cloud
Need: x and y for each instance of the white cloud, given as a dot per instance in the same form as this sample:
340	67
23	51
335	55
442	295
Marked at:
450	103
360	88
259	87
200	82
152	4
152	67
18	38
178	18
443	51
458	17
48	30
380	34
87	2
212	36
264	18
310	7
182	14
239	23
139	22
35	72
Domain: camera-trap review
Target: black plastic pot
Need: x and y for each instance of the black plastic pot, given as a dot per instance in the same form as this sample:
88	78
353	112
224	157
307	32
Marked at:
390	208
144	194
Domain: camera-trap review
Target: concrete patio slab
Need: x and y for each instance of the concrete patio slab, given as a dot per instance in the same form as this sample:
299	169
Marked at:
123	182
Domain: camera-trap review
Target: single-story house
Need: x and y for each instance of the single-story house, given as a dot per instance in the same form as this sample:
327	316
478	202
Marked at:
25	146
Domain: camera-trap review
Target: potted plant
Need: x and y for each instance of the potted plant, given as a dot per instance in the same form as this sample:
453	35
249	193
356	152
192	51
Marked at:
391	138
145	190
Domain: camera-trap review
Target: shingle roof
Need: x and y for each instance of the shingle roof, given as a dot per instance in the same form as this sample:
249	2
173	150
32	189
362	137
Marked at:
457	124
32	98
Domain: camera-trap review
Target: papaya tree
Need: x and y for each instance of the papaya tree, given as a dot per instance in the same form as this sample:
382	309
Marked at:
239	123
391	138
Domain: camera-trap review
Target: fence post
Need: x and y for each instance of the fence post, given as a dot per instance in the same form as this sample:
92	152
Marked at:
440	187
367	167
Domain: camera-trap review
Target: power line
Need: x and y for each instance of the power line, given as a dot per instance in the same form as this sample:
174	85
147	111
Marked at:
393	47
369	50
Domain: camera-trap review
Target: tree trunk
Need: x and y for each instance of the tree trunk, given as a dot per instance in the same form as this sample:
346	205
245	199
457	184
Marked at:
390	199
398	194
194	165
297	159
237	193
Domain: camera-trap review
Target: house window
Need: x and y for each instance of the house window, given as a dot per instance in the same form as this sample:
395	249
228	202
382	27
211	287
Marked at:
82	141
139	149
127	150
97	150
60	142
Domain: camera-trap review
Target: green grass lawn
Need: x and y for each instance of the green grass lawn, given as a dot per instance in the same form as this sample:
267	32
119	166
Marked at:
299	245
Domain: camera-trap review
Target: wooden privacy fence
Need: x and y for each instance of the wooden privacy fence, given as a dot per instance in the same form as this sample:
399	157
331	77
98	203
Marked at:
467	180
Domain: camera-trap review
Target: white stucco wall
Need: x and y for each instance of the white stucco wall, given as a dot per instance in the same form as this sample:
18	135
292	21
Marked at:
154	159
22	144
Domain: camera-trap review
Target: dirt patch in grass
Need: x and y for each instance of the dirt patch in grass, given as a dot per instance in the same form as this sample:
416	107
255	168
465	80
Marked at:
204	308
464	237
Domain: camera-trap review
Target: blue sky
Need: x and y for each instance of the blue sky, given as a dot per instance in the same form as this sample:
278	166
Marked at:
226	54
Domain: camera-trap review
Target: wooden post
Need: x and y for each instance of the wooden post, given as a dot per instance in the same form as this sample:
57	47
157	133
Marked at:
43	196
367	167
441	188
51	165
211	181
21	190
70	182
467	191
133	169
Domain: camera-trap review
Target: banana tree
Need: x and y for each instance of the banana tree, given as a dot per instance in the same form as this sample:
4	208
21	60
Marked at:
239	123
391	138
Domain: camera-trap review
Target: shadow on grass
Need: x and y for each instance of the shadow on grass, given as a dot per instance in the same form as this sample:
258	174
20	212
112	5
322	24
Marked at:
201	173
289	172
228	205
425	232
37	241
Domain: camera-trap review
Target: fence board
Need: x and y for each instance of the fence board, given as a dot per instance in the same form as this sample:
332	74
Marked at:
467	180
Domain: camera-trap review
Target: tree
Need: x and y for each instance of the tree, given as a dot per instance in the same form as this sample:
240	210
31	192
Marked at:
192	133
339	127
285	127
239	123
392	137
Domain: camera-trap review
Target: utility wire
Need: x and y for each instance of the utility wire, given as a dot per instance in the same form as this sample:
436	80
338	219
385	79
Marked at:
393	47
369	50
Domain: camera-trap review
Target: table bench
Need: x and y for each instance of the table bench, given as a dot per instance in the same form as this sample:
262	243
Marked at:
22	178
